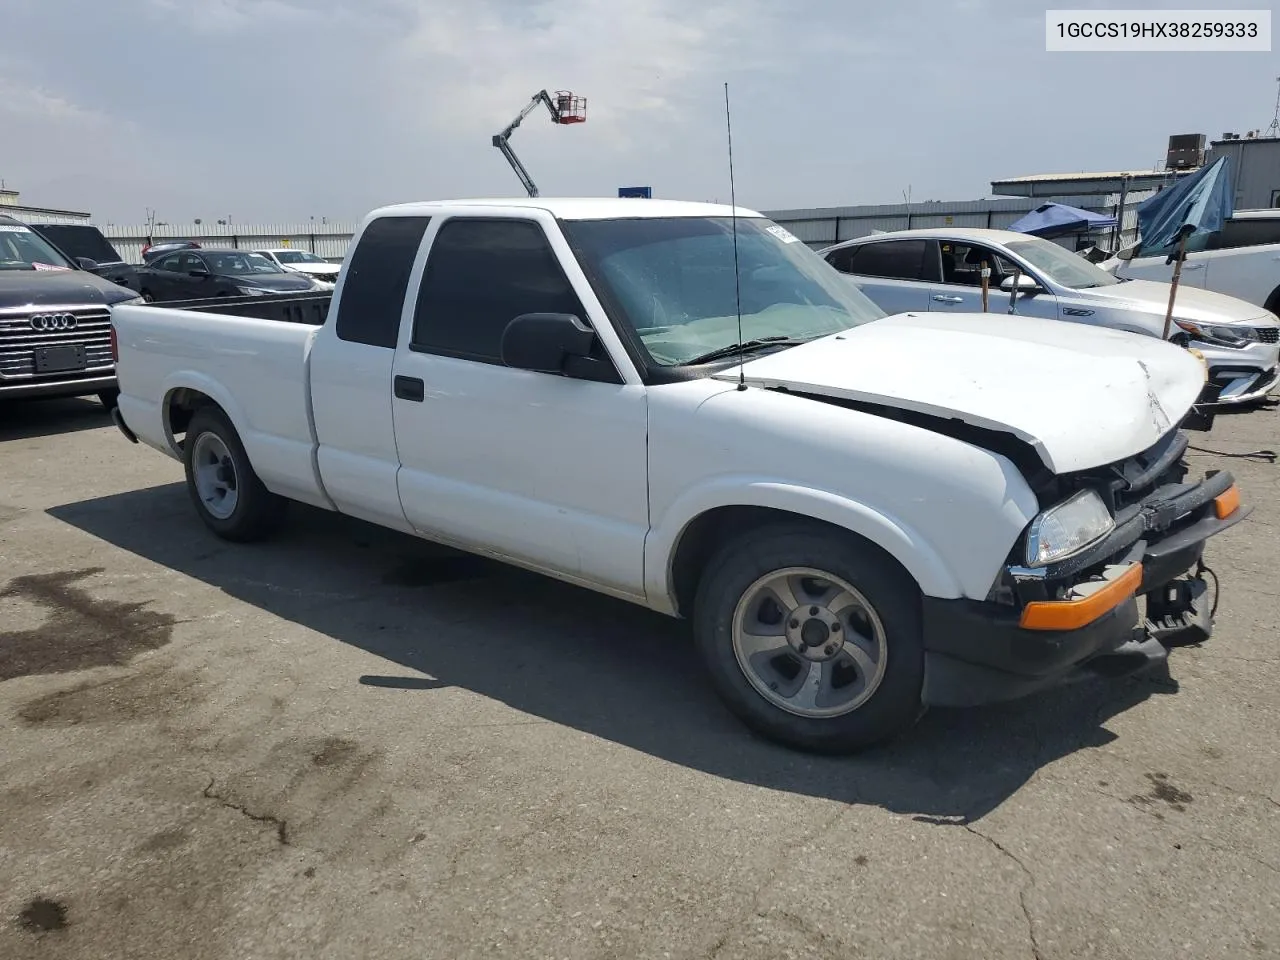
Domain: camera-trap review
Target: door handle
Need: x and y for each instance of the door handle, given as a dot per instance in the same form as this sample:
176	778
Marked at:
409	388
942	299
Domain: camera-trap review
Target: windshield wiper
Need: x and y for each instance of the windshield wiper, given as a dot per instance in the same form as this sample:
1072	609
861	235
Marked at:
732	349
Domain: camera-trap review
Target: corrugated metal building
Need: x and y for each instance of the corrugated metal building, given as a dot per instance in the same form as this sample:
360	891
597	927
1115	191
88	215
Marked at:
821	226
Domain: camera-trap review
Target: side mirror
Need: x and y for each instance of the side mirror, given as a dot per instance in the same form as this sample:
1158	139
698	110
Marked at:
1129	252
1026	285
87	264
542	342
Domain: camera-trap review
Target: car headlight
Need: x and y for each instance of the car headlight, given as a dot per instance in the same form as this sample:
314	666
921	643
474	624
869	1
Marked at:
1219	334
1068	528
253	291
130	302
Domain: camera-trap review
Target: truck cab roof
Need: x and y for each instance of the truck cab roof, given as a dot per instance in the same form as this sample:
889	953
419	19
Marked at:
576	208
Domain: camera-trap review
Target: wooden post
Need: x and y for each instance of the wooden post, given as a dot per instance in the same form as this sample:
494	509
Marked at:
986	285
1173	285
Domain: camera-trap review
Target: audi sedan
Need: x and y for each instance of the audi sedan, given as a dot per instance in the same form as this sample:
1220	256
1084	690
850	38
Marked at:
198	274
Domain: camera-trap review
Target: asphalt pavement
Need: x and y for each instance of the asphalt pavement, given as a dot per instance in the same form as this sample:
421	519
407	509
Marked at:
347	743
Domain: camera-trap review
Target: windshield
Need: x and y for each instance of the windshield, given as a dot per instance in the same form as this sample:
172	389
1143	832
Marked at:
23	249
298	256
673	280
239	264
1064	268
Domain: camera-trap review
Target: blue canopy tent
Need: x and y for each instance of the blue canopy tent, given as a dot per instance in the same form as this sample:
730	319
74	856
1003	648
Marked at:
1183	217
1051	220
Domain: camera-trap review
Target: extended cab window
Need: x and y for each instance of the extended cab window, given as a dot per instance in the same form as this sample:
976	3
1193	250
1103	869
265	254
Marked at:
482	274
377	279
892	260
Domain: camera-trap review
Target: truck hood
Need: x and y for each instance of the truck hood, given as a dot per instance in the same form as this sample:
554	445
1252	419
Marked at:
1080	396
21	288
1191	303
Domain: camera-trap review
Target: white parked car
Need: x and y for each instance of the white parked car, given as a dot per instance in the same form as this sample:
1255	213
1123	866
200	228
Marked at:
304	261
856	525
1243	261
938	270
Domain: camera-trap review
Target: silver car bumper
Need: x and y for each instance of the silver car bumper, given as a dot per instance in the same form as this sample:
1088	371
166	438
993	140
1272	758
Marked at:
1243	374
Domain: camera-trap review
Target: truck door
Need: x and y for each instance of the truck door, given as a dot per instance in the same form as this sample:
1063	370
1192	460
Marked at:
543	469
350	372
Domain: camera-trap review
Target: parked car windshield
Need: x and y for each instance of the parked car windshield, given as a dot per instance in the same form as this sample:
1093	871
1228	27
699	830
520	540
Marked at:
239	264
21	248
1064	268
673	279
298	256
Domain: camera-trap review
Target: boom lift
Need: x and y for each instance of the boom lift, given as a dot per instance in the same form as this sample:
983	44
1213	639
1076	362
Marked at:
564	108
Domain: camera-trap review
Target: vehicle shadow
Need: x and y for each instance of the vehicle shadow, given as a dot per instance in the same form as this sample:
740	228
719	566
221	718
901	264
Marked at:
573	657
25	419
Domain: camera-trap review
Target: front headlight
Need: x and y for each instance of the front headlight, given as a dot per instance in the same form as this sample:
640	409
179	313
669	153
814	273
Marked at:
1068	528
1219	334
253	291
130	302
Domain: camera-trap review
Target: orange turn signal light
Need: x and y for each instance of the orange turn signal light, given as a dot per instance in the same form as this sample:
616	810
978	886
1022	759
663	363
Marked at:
1073	614
1227	502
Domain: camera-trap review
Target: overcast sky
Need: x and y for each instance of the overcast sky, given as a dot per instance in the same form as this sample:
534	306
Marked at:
271	110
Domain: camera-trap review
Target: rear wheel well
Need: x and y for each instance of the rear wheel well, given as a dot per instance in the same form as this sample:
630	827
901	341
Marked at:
180	406
707	532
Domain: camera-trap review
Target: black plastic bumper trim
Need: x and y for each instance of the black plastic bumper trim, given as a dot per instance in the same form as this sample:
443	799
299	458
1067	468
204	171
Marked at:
118	419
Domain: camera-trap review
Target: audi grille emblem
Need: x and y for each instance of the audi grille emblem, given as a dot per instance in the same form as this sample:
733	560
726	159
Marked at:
53	321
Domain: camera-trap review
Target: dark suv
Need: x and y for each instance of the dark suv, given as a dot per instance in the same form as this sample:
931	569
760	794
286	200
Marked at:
89	249
55	321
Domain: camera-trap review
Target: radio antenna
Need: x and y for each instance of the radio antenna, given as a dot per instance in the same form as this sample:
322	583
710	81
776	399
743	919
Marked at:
733	207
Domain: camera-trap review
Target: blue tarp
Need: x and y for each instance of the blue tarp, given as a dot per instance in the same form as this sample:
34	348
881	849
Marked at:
1196	205
1057	219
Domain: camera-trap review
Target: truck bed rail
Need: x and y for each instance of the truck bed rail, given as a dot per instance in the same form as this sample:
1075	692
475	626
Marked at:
306	308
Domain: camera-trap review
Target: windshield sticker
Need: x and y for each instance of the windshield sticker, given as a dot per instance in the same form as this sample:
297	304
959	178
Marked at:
13	228
782	233
47	266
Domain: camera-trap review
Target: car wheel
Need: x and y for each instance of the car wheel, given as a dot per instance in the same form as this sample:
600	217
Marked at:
146	295
811	638
109	398
228	495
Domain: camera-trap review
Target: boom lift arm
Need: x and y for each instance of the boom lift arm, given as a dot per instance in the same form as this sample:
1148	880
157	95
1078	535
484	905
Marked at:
565	108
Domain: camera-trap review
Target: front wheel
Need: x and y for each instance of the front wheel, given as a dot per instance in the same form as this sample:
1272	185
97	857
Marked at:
811	638
228	495
109	398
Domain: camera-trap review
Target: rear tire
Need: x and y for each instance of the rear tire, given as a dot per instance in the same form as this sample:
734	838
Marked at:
811	638
227	494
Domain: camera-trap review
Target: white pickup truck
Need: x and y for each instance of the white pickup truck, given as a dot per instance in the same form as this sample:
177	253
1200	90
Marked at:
857	528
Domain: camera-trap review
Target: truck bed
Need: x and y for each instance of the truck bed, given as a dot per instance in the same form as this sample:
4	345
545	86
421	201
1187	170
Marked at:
249	354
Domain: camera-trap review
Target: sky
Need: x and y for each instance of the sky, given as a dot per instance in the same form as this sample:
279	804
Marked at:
270	111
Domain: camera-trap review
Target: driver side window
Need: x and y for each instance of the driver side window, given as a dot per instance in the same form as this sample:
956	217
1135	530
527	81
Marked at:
962	264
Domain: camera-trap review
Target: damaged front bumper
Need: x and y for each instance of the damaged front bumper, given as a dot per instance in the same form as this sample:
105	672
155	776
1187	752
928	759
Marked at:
1113	609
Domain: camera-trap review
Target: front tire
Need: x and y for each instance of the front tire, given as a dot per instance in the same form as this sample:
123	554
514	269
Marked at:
811	638
227	494
109	398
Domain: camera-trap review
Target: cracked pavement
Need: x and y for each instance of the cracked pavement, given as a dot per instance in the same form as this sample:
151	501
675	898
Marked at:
347	743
